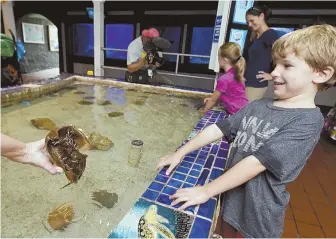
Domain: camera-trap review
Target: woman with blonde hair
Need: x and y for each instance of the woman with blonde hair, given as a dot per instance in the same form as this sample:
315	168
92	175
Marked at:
230	88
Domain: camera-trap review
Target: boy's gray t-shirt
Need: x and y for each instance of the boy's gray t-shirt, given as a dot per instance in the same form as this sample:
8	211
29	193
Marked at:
282	140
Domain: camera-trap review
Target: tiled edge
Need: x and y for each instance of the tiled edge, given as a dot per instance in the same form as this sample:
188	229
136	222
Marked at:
198	167
14	95
144	88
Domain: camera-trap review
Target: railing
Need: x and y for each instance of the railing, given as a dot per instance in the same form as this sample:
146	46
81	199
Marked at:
162	72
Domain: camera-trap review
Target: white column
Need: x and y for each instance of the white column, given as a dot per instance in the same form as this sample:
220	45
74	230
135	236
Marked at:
8	17
221	25
98	23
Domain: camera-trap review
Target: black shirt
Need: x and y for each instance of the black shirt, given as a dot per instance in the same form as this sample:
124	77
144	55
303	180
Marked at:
259	58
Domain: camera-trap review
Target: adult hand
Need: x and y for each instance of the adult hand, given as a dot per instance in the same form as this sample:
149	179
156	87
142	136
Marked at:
206	100
191	196
37	155
172	160
264	76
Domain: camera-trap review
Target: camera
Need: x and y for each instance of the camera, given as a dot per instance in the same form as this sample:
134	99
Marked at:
152	49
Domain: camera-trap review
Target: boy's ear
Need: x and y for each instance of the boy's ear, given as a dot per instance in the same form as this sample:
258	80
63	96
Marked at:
325	75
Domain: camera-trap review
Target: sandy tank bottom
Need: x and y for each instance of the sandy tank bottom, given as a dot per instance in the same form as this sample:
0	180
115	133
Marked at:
28	193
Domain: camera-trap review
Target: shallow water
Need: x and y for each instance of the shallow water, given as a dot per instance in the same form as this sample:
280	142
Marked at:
28	194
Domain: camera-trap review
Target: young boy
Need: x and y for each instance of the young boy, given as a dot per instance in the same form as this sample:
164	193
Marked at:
271	139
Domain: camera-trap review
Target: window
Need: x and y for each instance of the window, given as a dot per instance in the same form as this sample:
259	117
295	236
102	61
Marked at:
173	34
240	11
282	30
118	36
238	36
201	43
83	39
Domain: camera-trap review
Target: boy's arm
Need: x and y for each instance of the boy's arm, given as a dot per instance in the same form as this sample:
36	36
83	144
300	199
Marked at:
239	174
212	101
227	127
205	137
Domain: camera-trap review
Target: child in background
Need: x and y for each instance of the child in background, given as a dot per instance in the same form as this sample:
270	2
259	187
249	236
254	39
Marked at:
230	89
271	139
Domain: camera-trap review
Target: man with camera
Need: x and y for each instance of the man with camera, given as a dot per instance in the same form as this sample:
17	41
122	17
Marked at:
143	57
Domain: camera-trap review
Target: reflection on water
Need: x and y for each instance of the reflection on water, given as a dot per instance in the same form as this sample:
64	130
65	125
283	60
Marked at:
29	194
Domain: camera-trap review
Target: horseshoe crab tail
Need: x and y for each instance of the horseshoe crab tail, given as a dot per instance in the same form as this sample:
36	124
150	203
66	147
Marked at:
66	185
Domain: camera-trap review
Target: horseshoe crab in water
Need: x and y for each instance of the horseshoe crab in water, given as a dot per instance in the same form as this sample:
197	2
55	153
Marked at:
79	92
103	103
99	142
104	198
63	146
139	102
44	123
115	114
85	102
60	217
89	98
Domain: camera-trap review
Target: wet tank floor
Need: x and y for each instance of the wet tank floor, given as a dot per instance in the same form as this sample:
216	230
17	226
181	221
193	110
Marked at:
29	194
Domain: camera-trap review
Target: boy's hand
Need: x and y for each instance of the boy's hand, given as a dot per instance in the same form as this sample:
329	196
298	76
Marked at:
172	159
264	76
191	196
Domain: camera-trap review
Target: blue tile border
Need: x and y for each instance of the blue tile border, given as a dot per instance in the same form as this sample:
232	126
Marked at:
198	167
200	228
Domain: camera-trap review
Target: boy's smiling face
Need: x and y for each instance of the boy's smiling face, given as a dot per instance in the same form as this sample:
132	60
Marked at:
293	77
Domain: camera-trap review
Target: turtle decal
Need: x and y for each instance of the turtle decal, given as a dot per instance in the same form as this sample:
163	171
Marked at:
150	225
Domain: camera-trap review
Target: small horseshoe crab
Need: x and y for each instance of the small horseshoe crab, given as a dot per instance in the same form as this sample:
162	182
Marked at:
63	146
61	217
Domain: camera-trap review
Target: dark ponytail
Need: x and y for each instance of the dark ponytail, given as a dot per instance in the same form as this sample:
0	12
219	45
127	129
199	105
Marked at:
258	10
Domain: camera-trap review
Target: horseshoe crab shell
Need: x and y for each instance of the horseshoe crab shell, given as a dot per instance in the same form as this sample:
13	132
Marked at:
63	146
61	216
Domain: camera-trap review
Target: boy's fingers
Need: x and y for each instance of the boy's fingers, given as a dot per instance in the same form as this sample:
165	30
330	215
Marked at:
185	205
179	193
178	200
161	163
169	170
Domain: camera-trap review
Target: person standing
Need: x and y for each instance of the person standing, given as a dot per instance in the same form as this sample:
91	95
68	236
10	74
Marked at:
259	60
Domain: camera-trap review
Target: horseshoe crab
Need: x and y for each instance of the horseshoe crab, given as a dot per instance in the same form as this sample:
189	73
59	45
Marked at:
105	198
79	92
103	103
99	142
63	146
115	114
44	123
139	102
85	102
61	216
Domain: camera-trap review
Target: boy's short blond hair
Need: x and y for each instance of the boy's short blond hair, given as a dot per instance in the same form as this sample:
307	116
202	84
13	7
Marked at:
316	45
